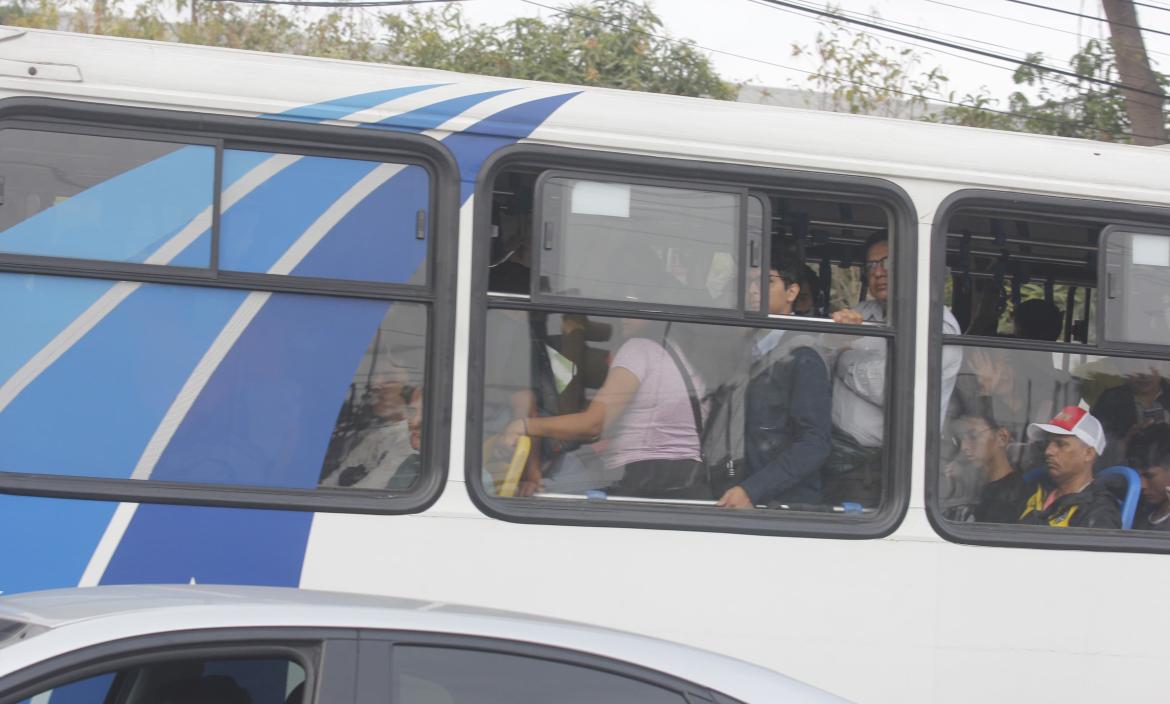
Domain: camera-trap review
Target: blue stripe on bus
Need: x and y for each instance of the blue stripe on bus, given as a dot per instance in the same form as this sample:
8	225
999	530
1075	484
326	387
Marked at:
258	231
376	241
278	438
506	127
106	220
48	542
431	116
36	309
344	107
267	412
177	544
94	410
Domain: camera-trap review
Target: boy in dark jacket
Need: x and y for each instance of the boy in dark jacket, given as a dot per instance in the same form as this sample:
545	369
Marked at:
788	405
1068	497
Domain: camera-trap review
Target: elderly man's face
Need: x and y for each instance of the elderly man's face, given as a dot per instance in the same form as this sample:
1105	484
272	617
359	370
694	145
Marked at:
1068	458
877	270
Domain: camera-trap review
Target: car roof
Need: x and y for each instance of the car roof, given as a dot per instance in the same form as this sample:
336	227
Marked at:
64	620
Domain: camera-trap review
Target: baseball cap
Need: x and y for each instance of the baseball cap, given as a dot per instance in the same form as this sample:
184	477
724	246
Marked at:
1075	421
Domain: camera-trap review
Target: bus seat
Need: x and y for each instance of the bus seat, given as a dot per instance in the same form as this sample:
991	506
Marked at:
1133	491
1133	488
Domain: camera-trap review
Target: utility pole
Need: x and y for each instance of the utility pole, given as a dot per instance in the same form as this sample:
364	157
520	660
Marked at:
1146	116
194	15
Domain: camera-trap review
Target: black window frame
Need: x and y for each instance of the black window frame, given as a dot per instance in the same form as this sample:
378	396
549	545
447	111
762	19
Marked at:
437	293
1008	535
310	648
899	336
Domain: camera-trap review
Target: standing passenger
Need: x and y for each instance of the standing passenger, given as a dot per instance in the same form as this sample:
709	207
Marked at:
788	416
854	468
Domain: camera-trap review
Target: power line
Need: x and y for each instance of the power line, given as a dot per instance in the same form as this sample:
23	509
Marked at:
997	67
960	47
1049	120
1163	8
1087	17
1025	22
335	3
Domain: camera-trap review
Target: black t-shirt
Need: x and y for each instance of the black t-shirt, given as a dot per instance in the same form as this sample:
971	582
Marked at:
1002	501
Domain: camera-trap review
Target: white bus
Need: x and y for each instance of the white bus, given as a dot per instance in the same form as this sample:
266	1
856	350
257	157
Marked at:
267	318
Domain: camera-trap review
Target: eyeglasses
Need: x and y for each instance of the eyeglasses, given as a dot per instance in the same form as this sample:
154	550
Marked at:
776	277
873	264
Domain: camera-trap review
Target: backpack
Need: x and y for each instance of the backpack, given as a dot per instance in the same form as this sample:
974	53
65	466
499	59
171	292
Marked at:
721	437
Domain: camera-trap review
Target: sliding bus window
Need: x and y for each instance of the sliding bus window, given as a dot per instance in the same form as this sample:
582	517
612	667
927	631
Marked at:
1039	381
211	386
604	239
88	196
648	379
324	217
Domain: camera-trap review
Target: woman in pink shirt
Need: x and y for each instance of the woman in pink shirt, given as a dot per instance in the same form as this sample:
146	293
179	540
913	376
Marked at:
644	408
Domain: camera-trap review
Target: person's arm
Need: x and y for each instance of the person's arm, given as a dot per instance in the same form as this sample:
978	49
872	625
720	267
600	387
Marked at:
620	385
811	426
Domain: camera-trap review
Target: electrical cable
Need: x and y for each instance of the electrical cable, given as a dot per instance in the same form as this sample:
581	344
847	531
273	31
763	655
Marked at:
1083	16
1008	113
1024	22
998	67
960	47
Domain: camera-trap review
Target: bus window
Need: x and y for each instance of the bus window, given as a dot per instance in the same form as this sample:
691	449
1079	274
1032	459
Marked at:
326	217
85	196
779	410
1042	416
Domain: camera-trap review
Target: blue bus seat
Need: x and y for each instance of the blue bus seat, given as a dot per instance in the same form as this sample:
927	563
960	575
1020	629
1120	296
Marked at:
1133	488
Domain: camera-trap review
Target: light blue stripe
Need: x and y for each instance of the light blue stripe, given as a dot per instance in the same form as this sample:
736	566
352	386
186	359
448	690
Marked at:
341	108
431	116
124	218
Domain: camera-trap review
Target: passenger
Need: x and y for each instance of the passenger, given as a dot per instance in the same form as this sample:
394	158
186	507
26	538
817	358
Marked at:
646	409
1038	319
373	461
1068	496
788	404
854	467
810	300
983	444
410	469
1149	454
1144	399
643	405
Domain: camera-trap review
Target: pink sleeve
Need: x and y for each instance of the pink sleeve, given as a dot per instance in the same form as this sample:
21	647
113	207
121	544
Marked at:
637	356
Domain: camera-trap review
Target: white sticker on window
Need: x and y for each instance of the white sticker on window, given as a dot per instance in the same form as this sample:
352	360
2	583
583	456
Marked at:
593	198
1151	250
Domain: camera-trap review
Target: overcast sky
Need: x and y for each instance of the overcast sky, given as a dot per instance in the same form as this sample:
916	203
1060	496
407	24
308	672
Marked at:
766	33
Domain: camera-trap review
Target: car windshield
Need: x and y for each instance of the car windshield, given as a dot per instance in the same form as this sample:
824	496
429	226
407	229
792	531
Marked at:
12	631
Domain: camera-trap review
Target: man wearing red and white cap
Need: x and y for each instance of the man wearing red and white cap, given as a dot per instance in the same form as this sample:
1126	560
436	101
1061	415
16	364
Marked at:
1068	496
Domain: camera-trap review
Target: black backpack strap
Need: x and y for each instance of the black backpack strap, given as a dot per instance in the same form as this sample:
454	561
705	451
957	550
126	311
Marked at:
695	410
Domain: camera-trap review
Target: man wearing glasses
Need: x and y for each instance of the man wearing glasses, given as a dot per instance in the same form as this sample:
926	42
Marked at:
854	469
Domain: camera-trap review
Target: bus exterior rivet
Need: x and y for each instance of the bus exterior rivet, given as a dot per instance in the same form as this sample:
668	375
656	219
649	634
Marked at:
32	70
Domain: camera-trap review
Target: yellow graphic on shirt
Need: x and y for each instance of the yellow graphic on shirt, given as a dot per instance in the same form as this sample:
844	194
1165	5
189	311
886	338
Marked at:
1036	505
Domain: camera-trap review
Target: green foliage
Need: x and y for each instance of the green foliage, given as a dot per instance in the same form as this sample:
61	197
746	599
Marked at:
1065	106
612	43
859	74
